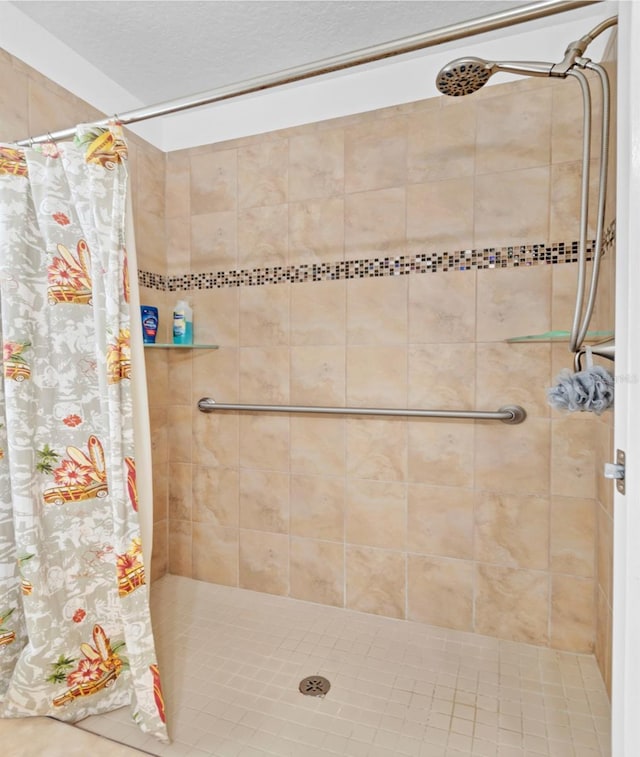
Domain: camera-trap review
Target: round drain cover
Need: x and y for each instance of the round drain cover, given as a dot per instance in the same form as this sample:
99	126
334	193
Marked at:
314	686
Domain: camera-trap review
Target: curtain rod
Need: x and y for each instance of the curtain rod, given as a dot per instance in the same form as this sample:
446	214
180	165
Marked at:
328	65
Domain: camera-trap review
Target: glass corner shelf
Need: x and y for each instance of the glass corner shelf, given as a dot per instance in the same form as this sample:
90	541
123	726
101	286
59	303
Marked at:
170	345
560	336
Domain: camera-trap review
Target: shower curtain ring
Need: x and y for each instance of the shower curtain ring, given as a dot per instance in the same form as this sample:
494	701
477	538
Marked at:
31	142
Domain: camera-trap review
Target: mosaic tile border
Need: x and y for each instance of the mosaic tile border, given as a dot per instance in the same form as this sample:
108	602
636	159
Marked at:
461	260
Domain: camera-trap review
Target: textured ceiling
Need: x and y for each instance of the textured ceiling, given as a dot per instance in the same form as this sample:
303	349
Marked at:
160	49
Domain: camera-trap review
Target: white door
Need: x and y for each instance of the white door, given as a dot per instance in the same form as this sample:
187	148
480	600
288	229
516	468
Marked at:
626	590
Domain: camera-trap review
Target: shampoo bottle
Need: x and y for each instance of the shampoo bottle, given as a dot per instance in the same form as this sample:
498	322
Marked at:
182	323
149	323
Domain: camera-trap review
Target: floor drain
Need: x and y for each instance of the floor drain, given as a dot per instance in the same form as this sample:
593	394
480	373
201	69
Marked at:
314	686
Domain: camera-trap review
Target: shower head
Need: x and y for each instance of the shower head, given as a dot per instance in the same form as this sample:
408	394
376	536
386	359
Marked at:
466	75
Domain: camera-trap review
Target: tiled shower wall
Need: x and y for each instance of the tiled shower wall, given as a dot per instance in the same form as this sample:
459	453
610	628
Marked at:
505	530
476	526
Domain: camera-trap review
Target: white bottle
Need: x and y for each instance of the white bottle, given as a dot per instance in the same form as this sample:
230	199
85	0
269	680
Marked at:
182	323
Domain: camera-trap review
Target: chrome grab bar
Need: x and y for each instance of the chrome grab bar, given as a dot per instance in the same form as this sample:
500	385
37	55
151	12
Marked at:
511	414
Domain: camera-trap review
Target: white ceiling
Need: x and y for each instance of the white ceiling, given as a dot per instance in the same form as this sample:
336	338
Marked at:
159	50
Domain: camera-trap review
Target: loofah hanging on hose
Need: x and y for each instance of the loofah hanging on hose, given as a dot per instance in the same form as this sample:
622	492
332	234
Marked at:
590	390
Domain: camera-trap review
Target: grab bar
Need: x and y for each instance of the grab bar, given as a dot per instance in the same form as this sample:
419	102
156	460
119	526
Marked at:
508	414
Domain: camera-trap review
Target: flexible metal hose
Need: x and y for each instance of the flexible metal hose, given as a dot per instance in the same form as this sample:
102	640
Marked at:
584	205
602	198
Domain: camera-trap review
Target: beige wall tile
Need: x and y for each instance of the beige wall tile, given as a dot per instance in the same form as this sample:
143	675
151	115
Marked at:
563	300
264	562
440	215
160	554
318	313
14	103
150	241
573	536
216	375
513	302
377	448
512	603
376	376
605	453
318	375
216	316
442	307
441	143
513	458
376	513
178	245
179	424
264	501
264	442
572	613
573	457
263	236
566	122
318	445
263	175
440	521
214	182
318	507
52	108
180	365
512	207
316	165
214	241
375	155
215	494
442	376
566	191
264	316
317	571
604	553
177	187
316	231
440	591
376	581
441	452
515	131
180	549
150	180
215	439
160	483
377	311
603	638
514	374
374	223
215	554
180	477
264	375
512	530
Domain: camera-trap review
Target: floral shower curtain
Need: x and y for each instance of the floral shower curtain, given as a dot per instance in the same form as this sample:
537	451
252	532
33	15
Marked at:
75	631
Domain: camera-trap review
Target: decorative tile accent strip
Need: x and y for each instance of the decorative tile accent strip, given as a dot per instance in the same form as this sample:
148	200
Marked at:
401	265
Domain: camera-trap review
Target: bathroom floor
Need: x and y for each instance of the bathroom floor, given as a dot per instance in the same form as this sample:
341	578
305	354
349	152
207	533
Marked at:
232	660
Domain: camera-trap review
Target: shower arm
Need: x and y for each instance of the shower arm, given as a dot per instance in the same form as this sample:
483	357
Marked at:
584	204
577	48
602	196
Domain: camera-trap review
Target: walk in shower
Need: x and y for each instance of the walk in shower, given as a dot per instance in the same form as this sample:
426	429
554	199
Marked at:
363	481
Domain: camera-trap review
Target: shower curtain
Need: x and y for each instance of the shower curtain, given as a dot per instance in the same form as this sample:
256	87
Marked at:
75	631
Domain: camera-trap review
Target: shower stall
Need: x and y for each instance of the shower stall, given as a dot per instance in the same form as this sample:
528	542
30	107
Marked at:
372	294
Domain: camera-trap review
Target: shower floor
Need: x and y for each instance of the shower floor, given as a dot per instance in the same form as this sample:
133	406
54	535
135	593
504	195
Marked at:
231	661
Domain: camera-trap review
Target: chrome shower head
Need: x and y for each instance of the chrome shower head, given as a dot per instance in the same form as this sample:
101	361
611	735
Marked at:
463	76
466	75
